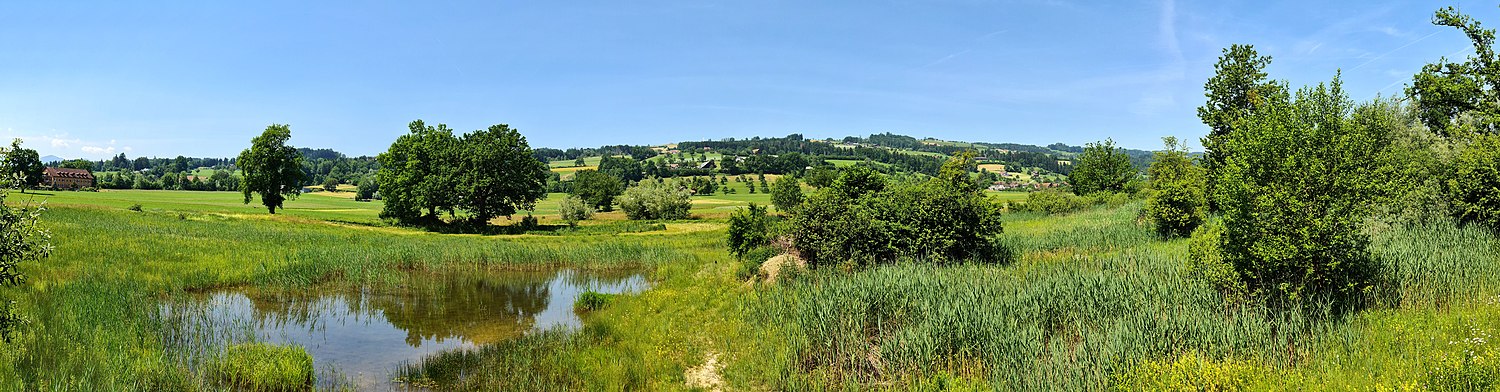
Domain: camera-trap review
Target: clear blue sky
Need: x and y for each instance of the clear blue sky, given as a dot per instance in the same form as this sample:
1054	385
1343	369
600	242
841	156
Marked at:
91	79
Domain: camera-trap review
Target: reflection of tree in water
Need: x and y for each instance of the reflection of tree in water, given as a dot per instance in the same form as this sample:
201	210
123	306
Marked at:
480	310
477	309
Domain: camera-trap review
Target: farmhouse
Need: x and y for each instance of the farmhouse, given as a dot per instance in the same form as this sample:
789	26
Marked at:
60	178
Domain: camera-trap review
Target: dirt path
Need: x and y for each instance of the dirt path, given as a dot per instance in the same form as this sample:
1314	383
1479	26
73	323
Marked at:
706	376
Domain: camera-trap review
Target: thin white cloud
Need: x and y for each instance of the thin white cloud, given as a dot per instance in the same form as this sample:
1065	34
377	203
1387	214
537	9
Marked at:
98	150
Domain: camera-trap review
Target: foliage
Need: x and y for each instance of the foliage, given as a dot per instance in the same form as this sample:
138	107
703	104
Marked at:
658	199
1052	201
591	300
1237	89
271	168
786	194
1475	183
820	177
1297	190
1177	202
263	367
747	230
24	165
625	168
1443	92
573	209
82	164
331	184
1101	168
861	219
498	174
417	178
368	188
22	239
598	189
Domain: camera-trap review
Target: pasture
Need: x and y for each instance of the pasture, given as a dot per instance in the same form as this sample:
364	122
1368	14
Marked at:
1088	300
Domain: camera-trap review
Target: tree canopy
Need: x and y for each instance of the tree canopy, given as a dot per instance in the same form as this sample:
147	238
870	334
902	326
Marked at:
1101	168
271	168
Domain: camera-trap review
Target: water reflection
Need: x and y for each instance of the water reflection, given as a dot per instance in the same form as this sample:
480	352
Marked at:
365	334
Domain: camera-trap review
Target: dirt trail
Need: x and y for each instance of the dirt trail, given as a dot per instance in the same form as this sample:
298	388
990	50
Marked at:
706	376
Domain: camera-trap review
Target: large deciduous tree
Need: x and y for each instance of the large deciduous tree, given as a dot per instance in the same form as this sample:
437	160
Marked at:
23	165
271	168
498	174
418	178
1101	168
597	189
1445	92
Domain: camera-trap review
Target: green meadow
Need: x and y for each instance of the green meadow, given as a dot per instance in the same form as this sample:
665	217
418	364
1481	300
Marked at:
1089	300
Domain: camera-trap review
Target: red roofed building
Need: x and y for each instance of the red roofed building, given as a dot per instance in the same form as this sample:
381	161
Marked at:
60	178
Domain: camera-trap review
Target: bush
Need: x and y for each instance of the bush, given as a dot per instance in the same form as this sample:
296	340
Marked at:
573	209
1206	261
1052	201
1101	168
1475	184
134	207
786	194
862	220
747	230
1295	191
263	367
590	300
1177	202
656	200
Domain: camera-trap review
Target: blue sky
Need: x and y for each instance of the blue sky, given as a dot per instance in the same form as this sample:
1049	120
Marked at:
93	79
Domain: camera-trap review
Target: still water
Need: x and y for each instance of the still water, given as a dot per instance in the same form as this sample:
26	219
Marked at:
363	336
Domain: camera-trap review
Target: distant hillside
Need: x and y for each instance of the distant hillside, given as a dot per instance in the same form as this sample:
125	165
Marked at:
52	159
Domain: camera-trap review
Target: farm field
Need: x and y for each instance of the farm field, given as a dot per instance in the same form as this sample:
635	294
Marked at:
1118	307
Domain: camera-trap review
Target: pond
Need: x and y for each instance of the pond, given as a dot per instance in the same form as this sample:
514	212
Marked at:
363	336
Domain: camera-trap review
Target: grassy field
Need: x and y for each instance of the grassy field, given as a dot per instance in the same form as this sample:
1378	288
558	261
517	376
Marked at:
1089	300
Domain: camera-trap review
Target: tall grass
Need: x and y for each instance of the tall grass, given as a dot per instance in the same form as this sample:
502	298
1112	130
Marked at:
1092	297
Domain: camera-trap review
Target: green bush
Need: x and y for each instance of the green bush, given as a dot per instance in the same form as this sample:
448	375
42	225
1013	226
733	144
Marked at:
747	230
1052	201
1295	192
263	367
1101	167
590	300
656	199
1206	261
786	194
1177	202
1475	184
573	209
861	219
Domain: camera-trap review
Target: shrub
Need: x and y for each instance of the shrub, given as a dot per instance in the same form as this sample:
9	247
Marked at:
1475	184
656	200
263	367
590	300
1101	168
22	239
747	230
573	209
786	194
1177	202
862	220
1295	192
1206	261
1053	201
134	207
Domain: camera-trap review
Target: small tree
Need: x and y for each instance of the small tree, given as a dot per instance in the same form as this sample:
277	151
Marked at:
786	194
579	162
1475	184
747	230
330	184
22	239
271	168
1101	168
656	200
597	188
1178	203
367	189
573	209
24	165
